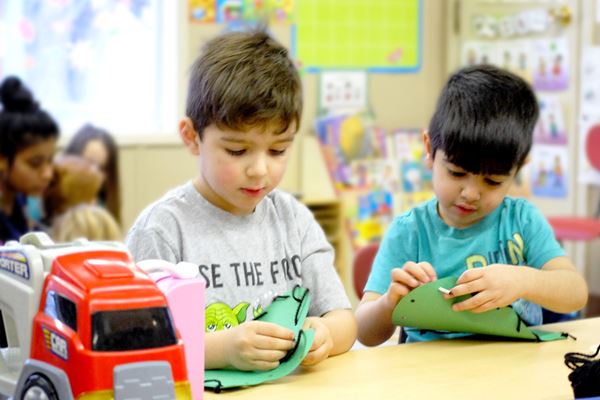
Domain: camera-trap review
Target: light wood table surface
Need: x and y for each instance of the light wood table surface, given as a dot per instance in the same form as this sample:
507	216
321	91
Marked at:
446	369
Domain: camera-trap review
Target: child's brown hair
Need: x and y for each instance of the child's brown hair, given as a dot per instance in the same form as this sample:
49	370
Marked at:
244	79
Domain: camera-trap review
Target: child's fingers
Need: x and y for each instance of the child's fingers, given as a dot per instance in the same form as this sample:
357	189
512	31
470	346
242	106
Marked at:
403	277
395	292
417	271
467	288
268	355
273	343
429	270
470	275
273	330
262	365
477	304
315	356
479	299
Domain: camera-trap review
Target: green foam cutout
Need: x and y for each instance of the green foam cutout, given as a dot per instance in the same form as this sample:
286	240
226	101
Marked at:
426	308
289	311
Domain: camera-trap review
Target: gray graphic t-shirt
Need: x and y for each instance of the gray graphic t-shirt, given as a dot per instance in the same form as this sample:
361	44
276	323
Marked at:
245	260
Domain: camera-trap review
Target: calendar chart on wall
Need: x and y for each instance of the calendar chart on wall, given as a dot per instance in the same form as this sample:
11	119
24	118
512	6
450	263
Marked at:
378	36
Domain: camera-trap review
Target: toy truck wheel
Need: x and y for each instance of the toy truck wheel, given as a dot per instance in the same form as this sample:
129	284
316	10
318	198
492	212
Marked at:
38	387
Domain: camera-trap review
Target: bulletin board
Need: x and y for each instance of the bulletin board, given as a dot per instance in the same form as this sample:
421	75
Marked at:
378	36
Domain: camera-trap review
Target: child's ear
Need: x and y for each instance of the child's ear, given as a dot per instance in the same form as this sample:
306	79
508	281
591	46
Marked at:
3	166
427	145
190	137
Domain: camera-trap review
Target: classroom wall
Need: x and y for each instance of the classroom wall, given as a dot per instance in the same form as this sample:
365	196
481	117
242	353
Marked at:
590	195
149	169
398	100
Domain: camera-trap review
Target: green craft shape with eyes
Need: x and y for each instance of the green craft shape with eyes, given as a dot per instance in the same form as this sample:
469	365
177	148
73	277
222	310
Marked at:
426	308
219	316
289	311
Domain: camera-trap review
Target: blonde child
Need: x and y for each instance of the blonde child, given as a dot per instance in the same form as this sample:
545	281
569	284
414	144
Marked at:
86	221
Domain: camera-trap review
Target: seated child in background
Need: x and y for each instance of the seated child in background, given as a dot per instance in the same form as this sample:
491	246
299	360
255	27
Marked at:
98	146
86	221
501	248
249	240
28	138
76	181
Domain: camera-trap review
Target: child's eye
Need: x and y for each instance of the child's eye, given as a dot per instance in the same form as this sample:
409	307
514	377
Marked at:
235	152
276	152
492	182
456	173
36	162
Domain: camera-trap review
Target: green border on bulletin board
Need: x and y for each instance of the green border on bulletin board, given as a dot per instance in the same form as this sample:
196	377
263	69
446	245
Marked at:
375	35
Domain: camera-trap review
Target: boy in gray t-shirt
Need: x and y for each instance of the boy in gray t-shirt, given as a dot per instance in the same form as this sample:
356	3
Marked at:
250	241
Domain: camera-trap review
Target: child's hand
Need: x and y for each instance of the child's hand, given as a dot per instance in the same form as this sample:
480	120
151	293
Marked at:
405	279
322	344
257	345
494	286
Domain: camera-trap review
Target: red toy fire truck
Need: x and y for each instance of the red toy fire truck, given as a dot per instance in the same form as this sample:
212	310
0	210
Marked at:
82	321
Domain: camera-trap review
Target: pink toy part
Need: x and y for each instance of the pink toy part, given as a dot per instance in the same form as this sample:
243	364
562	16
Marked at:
184	290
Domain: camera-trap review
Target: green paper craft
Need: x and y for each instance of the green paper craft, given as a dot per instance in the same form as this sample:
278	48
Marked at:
426	308
289	311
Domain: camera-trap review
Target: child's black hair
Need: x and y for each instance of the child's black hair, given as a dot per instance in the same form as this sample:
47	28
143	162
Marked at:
22	122
484	120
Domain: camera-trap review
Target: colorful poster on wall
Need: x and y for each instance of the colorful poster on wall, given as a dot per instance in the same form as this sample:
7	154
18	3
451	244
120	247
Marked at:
202	11
590	81
233	12
376	174
343	91
551	60
274	11
345	139
550	128
230	11
476	52
549	171
515	55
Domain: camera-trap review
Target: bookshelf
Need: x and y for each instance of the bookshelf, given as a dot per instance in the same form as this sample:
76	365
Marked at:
328	214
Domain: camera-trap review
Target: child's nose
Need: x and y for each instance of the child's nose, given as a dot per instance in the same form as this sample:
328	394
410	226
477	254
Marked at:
47	172
258	167
470	192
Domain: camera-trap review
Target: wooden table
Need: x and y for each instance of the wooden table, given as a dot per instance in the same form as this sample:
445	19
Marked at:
448	369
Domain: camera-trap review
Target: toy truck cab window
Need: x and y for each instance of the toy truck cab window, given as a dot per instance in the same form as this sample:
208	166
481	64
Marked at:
62	309
133	329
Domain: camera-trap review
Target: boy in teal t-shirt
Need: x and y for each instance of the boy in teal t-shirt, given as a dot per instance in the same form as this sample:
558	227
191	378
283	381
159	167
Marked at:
502	249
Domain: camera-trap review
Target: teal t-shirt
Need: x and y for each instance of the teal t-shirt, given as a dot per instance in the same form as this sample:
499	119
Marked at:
515	233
